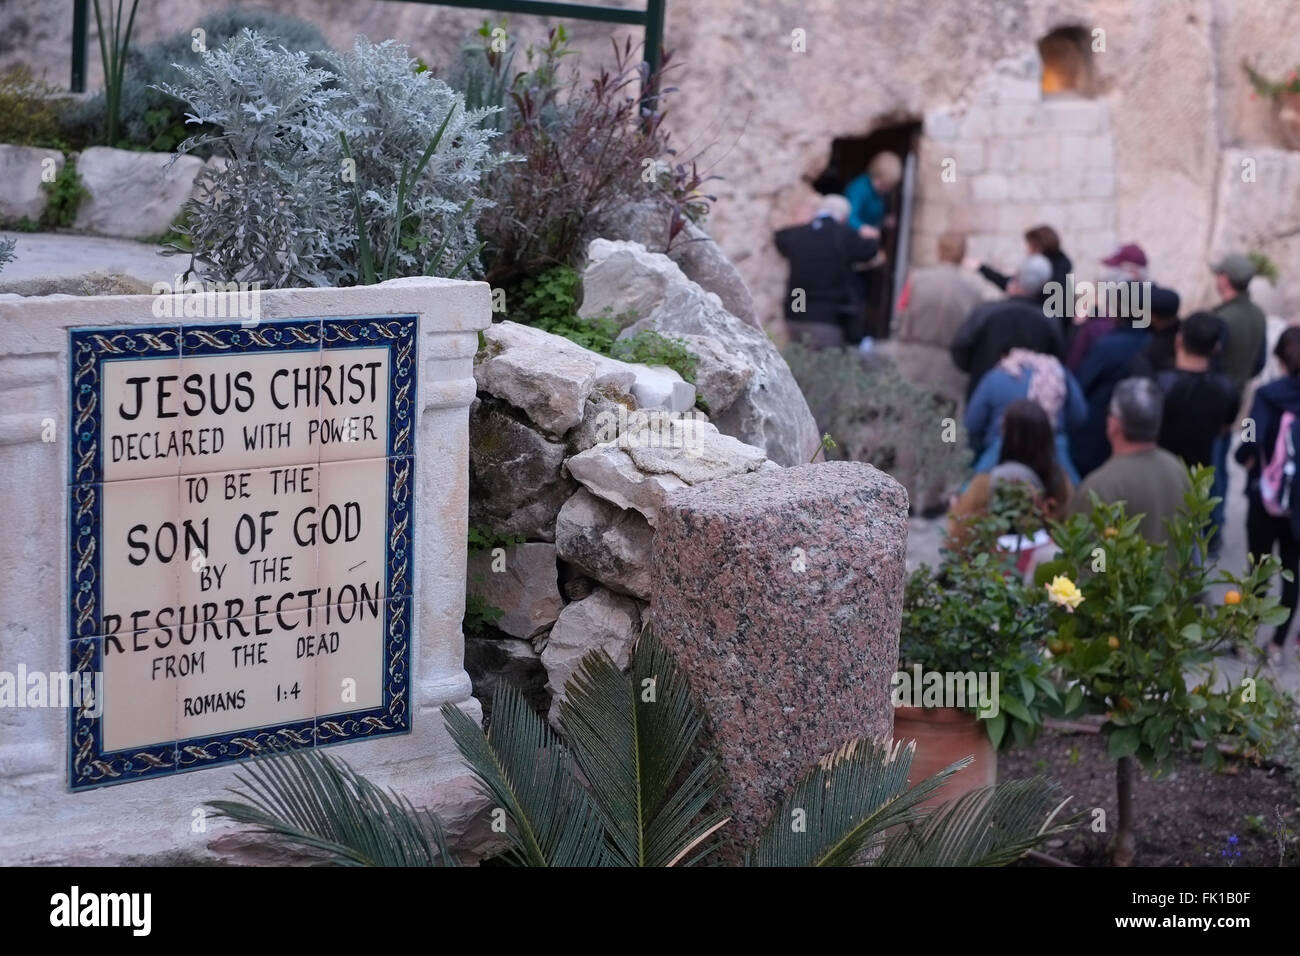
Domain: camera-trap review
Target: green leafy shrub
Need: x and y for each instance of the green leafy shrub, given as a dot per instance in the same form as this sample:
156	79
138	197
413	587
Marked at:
30	115
652	348
481	540
7	252
876	415
549	302
356	173
1141	621
1264	266
63	196
480	617
151	119
973	614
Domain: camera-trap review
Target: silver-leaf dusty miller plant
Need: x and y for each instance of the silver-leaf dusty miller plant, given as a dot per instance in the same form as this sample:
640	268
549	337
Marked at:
392	114
284	206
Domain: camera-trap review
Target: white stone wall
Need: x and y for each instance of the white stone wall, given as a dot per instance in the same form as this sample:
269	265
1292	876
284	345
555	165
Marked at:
152	818
1258	209
1015	159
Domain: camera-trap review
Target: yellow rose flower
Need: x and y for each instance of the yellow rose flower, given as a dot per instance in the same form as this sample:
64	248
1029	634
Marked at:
1062	591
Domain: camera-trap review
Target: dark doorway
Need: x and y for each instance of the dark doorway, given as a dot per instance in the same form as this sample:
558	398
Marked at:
1066	53
850	157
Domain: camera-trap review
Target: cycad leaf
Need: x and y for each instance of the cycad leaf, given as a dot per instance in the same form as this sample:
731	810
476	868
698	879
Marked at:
312	800
843	806
523	767
992	826
633	736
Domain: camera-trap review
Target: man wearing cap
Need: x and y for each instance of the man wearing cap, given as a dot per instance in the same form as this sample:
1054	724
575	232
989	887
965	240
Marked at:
1128	263
995	328
1242	355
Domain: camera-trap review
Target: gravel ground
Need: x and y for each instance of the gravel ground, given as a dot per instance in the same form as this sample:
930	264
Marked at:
1188	817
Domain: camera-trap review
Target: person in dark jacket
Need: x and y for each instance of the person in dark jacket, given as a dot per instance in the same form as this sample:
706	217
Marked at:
824	290
1105	366
1242	355
1158	356
1200	403
1266	533
995	328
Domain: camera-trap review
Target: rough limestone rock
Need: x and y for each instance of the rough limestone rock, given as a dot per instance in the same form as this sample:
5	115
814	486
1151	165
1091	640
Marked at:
626	282
606	542
781	594
546	376
525	588
491	661
516	485
658	386
602	420
91	283
605	620
648	222
134	195
771	413
721	374
550	378
21	181
640	468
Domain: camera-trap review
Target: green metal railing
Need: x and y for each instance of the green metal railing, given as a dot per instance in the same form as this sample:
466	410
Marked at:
651	18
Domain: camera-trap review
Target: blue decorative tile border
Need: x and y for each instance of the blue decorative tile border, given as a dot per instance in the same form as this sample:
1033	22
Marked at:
89	348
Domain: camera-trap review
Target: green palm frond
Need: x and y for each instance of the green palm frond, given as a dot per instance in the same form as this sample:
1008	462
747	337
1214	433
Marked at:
309	799
992	826
523	767
632	736
844	805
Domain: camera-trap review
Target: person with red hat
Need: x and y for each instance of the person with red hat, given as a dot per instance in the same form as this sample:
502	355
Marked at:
1128	263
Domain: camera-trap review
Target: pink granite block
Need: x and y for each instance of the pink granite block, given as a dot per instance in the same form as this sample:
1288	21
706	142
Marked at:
781	592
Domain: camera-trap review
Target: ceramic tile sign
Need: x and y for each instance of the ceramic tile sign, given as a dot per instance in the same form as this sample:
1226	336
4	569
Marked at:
240	516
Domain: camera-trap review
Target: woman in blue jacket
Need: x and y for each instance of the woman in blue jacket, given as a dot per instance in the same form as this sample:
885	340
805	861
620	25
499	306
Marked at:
1024	374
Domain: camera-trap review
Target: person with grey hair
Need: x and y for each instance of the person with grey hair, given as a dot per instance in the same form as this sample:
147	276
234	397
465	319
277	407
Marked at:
993	329
824	291
1149	480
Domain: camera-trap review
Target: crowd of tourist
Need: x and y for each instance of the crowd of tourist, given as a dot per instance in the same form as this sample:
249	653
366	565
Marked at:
1110	387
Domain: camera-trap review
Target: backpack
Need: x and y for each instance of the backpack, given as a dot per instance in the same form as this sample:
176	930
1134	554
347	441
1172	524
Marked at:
1277	481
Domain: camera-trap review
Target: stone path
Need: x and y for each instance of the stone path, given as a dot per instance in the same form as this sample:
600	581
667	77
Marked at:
51	254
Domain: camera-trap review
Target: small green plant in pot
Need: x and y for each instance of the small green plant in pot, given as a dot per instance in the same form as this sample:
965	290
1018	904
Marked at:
1137	633
972	636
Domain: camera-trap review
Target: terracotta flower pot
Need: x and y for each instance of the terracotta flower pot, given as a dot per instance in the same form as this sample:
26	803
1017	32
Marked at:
1287	108
943	736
